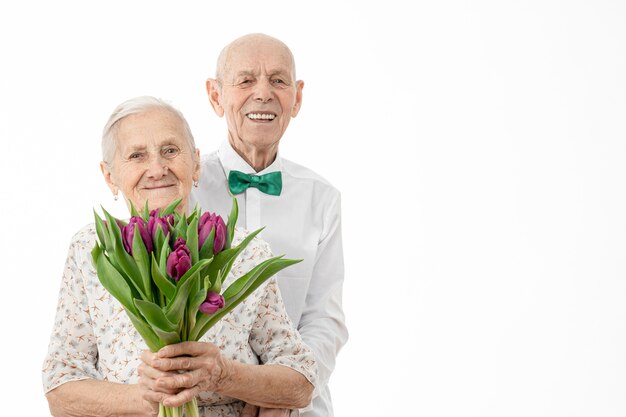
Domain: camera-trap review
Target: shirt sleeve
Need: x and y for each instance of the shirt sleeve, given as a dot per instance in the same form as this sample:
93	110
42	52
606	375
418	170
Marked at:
274	338
72	351
322	324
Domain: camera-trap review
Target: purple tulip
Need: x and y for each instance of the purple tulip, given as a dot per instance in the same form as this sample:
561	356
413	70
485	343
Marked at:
213	302
128	233
120	224
165	222
207	222
179	260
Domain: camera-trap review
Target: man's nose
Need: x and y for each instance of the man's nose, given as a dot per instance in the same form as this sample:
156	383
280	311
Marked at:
263	90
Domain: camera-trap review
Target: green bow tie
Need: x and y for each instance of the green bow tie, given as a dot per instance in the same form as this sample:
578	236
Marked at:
271	183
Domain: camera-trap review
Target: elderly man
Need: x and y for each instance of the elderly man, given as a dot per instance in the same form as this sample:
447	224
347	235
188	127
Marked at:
255	87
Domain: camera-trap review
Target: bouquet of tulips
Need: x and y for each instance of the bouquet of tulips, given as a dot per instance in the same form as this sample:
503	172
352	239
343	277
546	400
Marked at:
167	270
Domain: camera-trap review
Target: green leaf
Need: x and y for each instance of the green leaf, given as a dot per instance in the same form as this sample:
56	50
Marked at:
192	239
118	257
117	245
114	282
163	283
157	242
146	212
194	214
224	260
133	210
171	207
115	234
127	266
168	338
96	252
180	228
149	336
232	222
255	277
194	303
140	255
216	286
155	316
103	235
165	252
248	278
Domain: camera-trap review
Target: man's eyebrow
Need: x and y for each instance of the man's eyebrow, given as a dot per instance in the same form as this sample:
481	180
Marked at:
279	71
275	71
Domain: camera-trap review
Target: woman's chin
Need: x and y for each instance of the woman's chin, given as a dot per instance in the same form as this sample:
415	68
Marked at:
161	200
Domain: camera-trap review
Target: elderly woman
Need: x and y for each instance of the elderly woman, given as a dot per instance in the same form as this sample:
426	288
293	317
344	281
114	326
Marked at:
98	365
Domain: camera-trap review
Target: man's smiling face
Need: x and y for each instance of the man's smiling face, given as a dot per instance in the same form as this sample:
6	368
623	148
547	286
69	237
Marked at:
259	93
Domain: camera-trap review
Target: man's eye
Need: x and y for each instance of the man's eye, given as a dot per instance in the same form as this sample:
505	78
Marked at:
279	83
135	156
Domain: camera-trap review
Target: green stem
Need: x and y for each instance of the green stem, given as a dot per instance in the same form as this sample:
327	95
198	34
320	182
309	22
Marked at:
191	409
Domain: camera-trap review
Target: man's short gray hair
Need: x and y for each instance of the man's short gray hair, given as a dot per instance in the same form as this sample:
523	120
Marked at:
135	106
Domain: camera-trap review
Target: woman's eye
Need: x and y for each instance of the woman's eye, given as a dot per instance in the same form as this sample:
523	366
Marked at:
135	156
170	152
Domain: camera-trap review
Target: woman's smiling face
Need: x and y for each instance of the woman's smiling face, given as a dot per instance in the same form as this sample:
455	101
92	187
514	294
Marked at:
153	161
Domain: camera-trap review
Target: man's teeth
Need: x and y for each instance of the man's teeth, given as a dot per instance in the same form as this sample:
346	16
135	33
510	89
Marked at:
258	116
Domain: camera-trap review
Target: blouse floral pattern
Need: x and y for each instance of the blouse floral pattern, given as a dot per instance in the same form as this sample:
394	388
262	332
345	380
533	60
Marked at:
93	338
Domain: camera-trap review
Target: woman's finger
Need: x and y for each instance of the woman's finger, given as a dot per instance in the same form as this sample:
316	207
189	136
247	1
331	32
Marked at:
274	412
182	397
249	410
186	348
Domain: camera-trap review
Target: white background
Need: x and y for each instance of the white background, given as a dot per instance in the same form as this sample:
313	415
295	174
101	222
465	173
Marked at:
479	146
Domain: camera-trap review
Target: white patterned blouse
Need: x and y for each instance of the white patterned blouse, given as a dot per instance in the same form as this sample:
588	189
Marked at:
93	337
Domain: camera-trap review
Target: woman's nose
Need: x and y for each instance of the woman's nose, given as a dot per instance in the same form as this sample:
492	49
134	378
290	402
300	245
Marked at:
157	168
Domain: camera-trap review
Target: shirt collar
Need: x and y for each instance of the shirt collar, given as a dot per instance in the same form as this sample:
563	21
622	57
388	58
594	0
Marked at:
231	160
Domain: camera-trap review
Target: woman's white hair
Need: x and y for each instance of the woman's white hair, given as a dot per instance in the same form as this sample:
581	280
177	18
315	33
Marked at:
134	106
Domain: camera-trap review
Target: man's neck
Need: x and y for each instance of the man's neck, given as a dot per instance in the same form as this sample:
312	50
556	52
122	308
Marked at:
259	159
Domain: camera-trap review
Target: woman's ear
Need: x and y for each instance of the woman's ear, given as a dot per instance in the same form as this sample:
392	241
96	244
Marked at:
196	171
108	177
213	90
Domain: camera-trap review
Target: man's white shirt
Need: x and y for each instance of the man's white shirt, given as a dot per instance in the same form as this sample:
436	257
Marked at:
304	222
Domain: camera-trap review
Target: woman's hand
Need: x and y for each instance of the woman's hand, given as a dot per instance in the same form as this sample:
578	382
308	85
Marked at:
177	373
251	410
274	412
147	380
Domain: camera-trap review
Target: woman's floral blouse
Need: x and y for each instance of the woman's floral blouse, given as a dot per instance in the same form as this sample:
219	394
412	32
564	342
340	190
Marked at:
93	337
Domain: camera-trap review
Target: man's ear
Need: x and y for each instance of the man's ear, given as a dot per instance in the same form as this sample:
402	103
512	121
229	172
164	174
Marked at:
298	103
108	177
213	90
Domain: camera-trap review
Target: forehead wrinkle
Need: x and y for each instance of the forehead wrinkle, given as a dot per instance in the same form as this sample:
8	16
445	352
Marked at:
153	143
254	42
